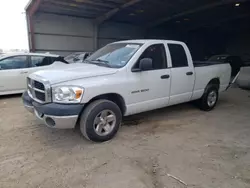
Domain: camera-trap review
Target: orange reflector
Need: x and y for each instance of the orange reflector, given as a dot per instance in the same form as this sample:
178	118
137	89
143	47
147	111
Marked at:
78	94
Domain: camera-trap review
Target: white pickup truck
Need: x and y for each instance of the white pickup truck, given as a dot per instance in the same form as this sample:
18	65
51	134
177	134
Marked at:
121	79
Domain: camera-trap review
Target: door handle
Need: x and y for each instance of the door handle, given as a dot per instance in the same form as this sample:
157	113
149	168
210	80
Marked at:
24	72
165	76
189	73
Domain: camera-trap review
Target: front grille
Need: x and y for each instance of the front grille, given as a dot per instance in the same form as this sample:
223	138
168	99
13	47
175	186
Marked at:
39	85
38	90
40	96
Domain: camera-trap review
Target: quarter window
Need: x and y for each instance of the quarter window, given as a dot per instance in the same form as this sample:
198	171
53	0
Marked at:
17	62
178	55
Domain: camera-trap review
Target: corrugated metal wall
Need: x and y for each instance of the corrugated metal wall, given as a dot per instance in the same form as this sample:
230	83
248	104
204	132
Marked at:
111	31
63	34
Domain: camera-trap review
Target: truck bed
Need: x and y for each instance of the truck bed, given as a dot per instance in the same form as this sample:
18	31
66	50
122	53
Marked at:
206	63
209	70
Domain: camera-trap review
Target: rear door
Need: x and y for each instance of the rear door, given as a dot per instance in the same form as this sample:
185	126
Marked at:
150	89
183	75
13	73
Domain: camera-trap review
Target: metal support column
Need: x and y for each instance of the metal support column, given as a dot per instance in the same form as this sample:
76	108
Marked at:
95	36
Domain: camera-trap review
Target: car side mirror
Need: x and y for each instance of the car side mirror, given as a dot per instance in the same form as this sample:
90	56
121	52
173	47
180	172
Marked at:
145	64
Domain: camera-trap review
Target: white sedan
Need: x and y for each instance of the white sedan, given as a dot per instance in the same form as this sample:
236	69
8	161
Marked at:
14	69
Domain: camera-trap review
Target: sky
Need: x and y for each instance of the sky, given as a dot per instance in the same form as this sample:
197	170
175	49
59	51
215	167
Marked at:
13	27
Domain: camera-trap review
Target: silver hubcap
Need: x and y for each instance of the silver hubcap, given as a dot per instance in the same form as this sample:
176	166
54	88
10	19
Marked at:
211	99
104	122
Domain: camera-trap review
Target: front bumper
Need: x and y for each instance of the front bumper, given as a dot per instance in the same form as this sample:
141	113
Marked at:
61	116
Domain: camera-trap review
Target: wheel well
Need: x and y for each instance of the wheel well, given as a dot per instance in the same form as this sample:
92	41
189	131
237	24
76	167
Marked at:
114	97
215	81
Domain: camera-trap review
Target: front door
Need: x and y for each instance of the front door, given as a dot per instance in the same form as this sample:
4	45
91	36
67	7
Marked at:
183	75
150	89
13	74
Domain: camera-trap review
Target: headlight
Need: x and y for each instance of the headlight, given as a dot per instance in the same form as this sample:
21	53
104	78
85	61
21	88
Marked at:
67	94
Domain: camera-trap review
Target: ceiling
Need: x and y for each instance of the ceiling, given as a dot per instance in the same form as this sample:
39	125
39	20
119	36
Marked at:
183	14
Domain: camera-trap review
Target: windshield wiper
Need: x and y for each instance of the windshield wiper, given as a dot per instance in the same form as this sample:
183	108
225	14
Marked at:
101	60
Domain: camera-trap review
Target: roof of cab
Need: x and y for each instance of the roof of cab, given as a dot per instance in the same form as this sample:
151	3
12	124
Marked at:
144	41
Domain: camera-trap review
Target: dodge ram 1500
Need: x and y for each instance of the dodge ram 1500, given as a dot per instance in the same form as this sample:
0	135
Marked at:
121	79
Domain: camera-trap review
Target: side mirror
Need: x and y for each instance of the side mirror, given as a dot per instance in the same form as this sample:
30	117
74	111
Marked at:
145	64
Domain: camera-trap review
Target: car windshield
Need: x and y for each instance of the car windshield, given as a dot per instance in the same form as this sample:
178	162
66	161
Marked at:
114	55
219	58
72	56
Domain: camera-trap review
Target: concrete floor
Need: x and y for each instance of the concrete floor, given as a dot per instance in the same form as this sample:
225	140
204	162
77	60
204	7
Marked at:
167	148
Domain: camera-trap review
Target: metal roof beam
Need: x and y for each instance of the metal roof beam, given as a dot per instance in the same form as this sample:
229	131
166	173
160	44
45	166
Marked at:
58	8
112	12
74	4
199	9
91	2
66	6
71	14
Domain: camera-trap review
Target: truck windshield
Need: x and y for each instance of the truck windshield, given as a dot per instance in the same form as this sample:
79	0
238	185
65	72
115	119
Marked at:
114	55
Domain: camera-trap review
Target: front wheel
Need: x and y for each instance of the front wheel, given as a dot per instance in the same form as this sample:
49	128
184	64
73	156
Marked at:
100	121
209	99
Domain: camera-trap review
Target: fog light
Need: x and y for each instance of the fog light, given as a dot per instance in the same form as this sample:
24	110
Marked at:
50	122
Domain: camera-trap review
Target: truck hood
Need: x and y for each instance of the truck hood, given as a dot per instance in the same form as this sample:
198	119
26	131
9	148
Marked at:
67	72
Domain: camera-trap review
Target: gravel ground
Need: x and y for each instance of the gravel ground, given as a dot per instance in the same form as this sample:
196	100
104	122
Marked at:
175	147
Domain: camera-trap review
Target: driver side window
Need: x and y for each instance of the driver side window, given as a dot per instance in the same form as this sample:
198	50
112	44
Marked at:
17	62
157	53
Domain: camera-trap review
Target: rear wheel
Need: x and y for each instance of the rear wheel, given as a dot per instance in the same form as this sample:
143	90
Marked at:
100	121
210	97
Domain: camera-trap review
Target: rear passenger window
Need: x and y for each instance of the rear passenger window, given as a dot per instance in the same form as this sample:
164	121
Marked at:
178	55
38	61
157	53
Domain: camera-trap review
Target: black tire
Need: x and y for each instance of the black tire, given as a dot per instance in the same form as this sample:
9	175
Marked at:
89	114
203	102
